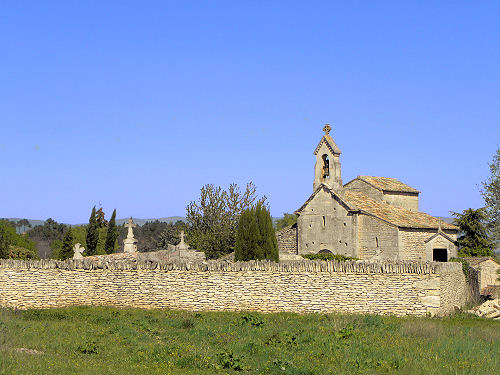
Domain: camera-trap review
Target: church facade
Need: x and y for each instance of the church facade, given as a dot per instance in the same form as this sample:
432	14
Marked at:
369	217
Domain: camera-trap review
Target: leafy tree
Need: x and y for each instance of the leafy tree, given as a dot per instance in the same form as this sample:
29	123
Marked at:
213	219
491	196
285	221
49	231
13	245
111	234
473	240
171	234
99	216
92	234
247	238
67	245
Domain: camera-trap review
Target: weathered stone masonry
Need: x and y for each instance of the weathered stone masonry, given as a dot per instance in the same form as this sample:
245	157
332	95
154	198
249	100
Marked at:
354	287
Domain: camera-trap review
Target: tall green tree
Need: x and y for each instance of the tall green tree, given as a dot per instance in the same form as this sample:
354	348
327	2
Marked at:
213	219
473	240
111	234
285	221
4	242
247	237
92	234
67	245
268	245
99	216
255	238
491	196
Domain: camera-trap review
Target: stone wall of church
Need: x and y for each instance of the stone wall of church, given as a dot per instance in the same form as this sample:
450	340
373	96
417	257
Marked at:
413	245
400	199
287	240
364	188
376	238
302	287
326	225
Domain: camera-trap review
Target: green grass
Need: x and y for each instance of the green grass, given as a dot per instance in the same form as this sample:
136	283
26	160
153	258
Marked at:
85	340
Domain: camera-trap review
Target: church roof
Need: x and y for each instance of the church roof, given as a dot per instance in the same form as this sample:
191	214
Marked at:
398	216
330	143
386	184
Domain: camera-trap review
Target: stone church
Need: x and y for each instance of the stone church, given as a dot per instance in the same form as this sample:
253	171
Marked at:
368	218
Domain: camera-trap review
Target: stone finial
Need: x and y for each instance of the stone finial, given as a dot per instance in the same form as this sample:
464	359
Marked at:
439	226
78	251
182	244
130	225
327	129
129	243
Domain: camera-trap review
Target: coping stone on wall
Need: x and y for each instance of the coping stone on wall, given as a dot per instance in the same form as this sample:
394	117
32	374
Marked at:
394	267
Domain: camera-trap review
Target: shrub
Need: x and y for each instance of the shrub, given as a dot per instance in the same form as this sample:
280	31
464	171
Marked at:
328	256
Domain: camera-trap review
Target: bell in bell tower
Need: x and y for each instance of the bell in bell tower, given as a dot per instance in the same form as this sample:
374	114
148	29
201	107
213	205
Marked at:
327	168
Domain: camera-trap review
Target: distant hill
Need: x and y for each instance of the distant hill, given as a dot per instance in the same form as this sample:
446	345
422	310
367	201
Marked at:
140	222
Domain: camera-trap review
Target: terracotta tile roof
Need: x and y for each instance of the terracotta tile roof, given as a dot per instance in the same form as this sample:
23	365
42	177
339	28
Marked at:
398	216
387	184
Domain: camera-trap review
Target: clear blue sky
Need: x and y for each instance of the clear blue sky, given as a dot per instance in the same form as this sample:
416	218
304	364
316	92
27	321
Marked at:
137	104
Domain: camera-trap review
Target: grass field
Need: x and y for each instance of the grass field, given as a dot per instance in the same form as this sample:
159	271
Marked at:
84	340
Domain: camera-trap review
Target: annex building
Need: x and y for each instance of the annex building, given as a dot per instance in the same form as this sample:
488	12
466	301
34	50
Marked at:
372	218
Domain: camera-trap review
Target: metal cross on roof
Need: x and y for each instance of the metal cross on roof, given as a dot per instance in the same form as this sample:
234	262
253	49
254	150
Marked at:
327	129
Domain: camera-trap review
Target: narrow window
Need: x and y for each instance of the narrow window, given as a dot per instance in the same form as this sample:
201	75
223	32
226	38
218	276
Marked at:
324	221
376	241
326	166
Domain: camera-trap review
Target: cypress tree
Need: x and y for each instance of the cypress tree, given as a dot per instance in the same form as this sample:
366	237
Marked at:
247	236
268	245
67	245
92	234
111	234
4	244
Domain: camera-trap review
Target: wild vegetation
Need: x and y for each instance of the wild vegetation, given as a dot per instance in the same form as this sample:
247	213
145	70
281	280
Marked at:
491	195
213	218
473	240
13	245
328	256
87	340
285	221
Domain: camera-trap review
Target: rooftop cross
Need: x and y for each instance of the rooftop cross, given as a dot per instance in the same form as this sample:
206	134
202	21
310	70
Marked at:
327	129
130	225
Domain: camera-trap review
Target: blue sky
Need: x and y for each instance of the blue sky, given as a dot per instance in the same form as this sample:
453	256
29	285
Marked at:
137	104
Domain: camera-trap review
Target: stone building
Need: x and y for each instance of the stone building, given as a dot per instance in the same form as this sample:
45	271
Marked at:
488	274
367	218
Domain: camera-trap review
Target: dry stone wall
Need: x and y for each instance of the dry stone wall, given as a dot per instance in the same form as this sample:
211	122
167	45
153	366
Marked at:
287	240
303	287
